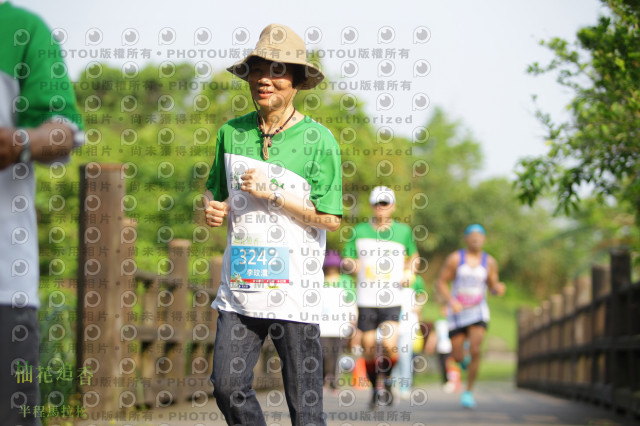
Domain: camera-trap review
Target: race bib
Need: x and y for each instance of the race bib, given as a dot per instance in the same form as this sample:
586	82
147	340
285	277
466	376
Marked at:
259	268
470	296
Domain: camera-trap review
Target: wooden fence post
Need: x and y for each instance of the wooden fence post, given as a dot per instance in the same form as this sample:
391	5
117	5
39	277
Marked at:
524	337
582	336
128	351
99	275
568	343
600	343
620	365
555	335
544	344
171	300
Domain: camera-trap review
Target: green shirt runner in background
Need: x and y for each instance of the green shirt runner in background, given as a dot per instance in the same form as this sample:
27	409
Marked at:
382	256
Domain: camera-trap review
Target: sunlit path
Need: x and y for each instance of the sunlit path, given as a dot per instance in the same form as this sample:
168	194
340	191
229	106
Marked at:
498	403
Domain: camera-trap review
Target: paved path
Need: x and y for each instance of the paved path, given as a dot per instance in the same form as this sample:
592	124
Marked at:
498	404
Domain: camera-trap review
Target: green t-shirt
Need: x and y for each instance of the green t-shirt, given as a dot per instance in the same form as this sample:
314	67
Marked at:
381	255
272	265
32	67
418	284
307	149
397	232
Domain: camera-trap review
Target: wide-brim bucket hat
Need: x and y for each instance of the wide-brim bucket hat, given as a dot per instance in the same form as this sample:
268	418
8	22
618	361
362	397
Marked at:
280	43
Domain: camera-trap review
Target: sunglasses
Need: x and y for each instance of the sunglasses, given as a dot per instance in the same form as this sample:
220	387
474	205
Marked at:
381	204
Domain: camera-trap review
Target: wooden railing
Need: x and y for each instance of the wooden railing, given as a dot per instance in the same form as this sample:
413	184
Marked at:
146	337
585	343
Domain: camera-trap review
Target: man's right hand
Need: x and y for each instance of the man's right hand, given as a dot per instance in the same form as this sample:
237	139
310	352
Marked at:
215	213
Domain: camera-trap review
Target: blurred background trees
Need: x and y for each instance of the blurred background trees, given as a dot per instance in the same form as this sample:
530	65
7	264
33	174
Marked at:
594	154
161	125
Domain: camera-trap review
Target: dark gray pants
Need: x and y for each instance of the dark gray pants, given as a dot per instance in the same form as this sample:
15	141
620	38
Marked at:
237	348
19	340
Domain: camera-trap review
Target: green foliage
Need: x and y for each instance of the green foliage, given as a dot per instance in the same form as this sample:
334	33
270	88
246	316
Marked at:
161	126
149	125
598	147
526	241
57	342
453	157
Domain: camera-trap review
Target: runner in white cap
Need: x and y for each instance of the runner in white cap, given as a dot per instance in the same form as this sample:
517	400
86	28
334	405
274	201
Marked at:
384	256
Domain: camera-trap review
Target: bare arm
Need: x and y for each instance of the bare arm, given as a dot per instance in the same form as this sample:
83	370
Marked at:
48	142
447	274
255	183
215	211
410	267
495	286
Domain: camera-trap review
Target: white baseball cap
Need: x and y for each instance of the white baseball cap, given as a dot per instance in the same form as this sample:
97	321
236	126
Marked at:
382	194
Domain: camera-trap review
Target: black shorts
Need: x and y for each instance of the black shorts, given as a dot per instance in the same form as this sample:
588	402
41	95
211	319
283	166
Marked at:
465	329
370	318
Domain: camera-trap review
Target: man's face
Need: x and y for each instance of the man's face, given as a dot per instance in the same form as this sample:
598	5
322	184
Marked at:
271	84
383	210
475	240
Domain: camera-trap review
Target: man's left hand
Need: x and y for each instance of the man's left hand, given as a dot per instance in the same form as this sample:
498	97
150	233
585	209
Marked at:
255	183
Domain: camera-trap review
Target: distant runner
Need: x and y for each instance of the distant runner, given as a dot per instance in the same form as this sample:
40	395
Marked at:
470	271
339	316
384	256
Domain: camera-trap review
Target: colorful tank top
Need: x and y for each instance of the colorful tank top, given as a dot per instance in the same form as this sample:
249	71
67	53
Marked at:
470	289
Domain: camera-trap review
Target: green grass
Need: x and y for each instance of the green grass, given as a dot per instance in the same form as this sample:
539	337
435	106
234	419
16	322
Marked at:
490	371
496	371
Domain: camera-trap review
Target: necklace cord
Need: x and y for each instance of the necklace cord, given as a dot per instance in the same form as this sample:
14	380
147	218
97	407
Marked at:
267	138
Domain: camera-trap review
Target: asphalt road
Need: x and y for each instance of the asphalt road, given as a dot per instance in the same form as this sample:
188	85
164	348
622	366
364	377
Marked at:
498	404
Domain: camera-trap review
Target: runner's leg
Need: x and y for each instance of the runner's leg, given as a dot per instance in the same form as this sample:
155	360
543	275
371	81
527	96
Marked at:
442	358
476	335
369	348
298	345
457	346
236	351
389	345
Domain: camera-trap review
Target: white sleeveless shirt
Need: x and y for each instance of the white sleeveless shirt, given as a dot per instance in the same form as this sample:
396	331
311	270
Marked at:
470	289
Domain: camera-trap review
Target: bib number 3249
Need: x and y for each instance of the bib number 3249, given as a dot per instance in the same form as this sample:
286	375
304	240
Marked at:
259	268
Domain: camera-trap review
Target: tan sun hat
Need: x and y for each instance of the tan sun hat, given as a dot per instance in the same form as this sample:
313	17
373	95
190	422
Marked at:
280	43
